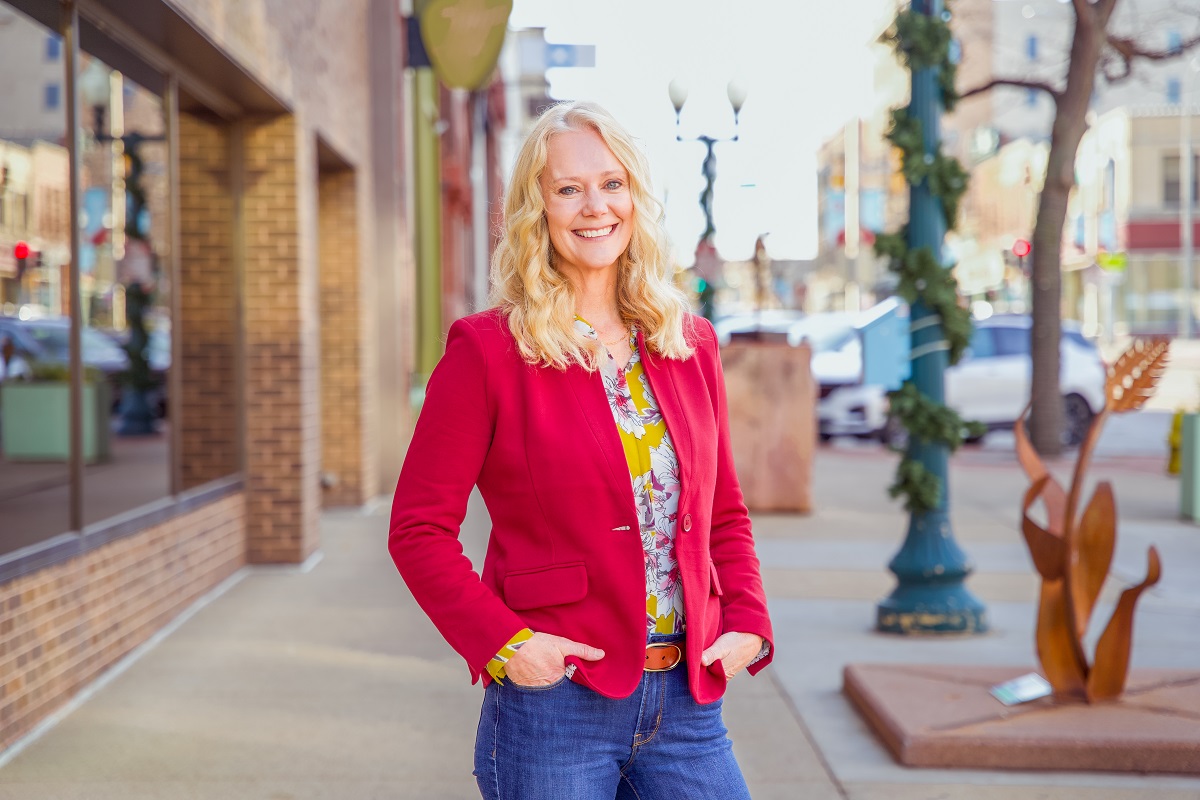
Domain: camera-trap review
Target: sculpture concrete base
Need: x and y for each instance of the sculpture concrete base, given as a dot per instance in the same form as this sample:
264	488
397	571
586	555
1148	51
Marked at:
943	716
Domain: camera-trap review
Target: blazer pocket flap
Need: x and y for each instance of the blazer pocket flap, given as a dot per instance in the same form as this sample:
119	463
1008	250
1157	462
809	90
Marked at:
545	586
716	582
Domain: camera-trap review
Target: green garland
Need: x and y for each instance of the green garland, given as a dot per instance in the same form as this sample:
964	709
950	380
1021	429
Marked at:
922	42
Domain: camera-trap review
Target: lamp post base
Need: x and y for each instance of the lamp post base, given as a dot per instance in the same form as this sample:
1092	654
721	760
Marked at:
137	418
920	610
931	597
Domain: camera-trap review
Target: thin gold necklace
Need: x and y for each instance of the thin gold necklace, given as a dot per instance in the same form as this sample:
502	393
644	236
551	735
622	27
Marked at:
624	335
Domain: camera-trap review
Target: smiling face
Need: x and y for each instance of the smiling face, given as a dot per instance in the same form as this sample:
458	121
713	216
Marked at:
589	208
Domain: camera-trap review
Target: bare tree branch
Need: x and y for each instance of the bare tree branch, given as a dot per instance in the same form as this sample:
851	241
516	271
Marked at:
1020	83
1108	64
1130	50
1127	50
1081	7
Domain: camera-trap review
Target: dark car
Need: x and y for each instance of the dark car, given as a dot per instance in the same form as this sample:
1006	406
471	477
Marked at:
46	342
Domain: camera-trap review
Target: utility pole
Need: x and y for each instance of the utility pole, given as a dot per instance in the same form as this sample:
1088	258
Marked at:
930	567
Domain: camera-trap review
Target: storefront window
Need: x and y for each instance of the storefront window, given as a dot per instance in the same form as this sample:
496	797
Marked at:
124	291
34	258
126	280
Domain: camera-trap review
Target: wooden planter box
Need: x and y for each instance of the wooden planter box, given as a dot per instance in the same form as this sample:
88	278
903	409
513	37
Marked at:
772	422
35	421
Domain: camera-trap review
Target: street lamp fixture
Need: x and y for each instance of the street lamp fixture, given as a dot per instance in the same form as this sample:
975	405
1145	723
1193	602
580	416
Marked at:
678	92
95	89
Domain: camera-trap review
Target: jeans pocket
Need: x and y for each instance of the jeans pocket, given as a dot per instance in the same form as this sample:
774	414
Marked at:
545	687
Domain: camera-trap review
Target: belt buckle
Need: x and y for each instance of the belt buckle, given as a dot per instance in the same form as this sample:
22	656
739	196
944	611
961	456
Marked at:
663	646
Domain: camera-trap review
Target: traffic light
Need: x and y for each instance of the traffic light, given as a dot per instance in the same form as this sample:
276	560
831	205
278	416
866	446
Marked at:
1021	248
20	253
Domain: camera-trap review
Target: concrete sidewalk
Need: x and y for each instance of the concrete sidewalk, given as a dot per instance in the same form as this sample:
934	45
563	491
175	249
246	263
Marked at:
328	682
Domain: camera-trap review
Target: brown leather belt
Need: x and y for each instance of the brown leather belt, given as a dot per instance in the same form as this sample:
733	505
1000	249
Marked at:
663	656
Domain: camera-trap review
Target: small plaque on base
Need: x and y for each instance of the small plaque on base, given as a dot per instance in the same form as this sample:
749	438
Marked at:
1021	690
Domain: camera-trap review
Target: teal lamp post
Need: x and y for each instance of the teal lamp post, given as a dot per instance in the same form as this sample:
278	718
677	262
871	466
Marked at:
930	568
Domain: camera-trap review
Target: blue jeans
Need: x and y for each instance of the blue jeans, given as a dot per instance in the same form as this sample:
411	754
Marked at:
566	742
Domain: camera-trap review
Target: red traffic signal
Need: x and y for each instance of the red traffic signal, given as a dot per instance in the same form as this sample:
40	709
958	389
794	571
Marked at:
21	250
1021	248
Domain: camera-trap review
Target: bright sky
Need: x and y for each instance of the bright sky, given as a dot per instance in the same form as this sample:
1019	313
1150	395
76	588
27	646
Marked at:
804	62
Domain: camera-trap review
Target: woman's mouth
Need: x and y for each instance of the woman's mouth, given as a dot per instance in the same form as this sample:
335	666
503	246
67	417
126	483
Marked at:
594	233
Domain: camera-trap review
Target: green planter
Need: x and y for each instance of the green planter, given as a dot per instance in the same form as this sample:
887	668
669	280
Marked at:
1189	468
34	421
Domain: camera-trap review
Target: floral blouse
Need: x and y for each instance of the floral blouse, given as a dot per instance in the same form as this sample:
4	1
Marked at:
654	480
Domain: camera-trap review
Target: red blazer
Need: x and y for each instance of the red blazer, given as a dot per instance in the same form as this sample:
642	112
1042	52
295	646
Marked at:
565	553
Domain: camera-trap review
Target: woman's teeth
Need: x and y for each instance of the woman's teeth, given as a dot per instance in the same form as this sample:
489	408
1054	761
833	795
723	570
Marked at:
592	234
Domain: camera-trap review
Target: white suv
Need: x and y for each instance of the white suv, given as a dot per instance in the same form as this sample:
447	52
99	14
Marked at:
990	384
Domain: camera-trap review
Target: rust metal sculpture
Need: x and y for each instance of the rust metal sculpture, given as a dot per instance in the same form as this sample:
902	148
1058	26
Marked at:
1073	556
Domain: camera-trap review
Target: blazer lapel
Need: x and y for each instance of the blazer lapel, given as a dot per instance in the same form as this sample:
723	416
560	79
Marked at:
593	404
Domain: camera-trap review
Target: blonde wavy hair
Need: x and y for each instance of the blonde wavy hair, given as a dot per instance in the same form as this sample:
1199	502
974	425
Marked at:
539	300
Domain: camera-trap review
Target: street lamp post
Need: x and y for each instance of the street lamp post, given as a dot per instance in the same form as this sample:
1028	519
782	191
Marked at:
930	568
137	418
737	98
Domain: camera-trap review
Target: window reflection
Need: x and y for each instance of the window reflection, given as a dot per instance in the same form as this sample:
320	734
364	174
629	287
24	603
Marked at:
123	286
34	274
124	292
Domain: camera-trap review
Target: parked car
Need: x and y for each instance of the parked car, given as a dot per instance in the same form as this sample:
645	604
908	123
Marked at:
990	384
769	320
46	341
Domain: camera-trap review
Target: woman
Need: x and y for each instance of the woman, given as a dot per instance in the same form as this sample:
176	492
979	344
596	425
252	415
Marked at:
620	591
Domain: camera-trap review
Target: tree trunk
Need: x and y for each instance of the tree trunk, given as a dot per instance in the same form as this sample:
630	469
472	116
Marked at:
1046	416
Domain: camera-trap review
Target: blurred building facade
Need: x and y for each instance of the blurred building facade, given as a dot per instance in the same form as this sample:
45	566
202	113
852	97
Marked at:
1125	235
277	179
1002	138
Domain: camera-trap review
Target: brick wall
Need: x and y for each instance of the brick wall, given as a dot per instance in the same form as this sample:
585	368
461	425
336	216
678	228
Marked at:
60	627
316	57
281	346
344	341
208	327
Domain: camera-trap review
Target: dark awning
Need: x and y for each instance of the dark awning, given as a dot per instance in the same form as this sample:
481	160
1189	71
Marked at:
148	39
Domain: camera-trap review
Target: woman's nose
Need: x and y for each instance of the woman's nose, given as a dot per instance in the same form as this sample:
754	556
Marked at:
593	202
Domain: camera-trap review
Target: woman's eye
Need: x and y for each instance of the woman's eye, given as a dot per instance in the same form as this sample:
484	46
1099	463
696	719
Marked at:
613	185
568	190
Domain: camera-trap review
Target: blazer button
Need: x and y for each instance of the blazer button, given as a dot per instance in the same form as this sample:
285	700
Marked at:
687	522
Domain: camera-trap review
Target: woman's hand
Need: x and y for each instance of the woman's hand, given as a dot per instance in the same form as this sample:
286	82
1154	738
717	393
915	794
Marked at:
541	660
735	650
